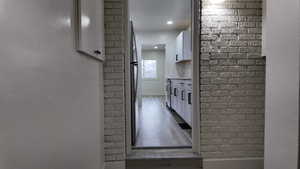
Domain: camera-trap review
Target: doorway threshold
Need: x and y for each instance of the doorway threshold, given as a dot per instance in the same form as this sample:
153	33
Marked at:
160	147
163	153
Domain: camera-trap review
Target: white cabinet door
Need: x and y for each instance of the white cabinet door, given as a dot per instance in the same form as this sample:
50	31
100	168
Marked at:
181	100
90	28
188	107
188	103
179	47
184	46
177	96
187	45
173	97
177	89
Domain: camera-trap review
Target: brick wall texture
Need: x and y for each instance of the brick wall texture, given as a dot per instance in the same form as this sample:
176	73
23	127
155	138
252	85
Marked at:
114	84
232	79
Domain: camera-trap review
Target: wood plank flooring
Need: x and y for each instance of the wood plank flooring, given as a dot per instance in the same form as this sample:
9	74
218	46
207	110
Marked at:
157	126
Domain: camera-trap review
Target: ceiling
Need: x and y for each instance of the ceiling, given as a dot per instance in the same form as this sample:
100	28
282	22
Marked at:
152	15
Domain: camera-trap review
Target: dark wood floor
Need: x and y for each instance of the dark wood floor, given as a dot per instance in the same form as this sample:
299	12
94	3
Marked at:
158	128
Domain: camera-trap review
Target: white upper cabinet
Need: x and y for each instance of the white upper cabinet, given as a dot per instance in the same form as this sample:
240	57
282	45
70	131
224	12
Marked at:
187	44
184	46
90	27
179	47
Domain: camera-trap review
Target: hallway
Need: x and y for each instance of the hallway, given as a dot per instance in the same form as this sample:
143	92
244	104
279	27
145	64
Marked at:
158	127
73	74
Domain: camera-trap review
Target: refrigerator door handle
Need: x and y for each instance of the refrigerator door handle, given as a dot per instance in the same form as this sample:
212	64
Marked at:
134	63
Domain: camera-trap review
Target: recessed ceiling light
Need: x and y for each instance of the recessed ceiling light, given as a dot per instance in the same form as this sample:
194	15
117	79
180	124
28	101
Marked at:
155	47
170	22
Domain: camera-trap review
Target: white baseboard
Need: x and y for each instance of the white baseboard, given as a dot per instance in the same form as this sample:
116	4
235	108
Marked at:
234	163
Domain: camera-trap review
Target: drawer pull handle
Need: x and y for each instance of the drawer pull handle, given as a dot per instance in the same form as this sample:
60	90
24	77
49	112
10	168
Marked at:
190	98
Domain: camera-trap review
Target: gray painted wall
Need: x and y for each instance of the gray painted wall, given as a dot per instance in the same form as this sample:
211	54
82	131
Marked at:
282	84
49	94
155	87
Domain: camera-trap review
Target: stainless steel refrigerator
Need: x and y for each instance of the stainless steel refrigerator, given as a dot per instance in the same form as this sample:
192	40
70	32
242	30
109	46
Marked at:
134	71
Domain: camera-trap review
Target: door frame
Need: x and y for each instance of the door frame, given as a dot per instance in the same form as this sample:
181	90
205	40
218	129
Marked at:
196	27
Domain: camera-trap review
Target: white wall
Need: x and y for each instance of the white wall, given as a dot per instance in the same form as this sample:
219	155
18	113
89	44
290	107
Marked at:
282	84
155	87
49	94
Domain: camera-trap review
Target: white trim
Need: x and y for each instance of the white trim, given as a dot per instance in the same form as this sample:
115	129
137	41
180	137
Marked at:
127	80
234	163
196	79
196	76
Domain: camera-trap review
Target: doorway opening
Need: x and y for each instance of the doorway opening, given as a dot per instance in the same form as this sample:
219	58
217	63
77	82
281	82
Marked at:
164	75
159	124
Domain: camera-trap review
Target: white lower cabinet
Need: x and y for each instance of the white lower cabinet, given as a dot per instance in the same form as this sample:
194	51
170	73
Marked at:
181	99
180	108
174	96
188	103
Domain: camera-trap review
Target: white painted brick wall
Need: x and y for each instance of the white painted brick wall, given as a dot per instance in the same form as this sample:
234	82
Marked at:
114	85
232	80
